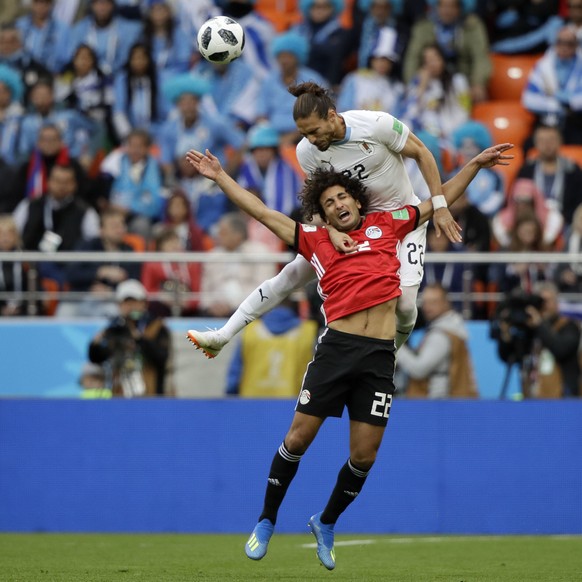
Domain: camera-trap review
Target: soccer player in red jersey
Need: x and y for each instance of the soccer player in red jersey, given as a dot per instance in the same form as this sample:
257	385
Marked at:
353	365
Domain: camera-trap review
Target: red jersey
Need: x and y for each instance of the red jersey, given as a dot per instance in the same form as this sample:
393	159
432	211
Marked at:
369	276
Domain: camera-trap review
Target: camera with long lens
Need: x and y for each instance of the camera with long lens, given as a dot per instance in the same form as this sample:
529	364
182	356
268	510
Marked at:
512	312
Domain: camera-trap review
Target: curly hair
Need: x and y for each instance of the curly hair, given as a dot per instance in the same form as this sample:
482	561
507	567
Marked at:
322	179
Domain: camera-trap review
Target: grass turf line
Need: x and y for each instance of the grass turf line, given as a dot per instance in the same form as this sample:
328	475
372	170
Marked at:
177	558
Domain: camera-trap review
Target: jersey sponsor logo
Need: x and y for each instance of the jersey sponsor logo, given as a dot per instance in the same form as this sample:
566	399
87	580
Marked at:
397	126
367	148
373	232
304	397
308	227
400	214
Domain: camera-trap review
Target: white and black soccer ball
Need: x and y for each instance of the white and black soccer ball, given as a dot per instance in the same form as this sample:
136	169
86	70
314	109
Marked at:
221	39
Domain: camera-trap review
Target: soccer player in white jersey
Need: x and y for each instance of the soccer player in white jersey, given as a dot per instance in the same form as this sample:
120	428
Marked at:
367	145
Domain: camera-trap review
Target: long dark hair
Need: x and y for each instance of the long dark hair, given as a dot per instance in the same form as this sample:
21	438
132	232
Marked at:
446	77
151	74
311	98
148	27
322	179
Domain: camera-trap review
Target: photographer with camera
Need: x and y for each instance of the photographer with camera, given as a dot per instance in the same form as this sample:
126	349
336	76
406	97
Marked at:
531	332
135	348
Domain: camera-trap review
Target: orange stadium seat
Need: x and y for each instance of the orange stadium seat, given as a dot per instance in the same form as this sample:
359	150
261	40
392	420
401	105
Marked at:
507	121
288	154
281	13
510	73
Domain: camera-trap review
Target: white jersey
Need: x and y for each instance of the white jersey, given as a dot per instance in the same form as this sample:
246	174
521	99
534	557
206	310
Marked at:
369	151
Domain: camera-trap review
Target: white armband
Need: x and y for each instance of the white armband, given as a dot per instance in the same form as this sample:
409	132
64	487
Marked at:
439	202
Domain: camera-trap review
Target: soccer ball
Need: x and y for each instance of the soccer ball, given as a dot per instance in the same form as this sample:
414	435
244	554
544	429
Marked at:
221	39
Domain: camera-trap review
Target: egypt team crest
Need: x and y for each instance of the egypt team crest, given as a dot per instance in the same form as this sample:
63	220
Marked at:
305	397
373	232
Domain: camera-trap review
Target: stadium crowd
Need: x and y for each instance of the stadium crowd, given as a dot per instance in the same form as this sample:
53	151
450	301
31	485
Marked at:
100	99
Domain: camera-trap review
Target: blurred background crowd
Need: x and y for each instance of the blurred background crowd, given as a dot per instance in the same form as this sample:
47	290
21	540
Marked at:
100	99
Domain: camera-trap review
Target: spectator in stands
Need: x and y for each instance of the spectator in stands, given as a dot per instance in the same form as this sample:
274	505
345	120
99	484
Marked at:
378	16
109	35
265	173
574	17
193	126
11	111
526	238
555	365
84	87
463	41
58	220
207	202
171	48
275	103
525	200
31	176
437	100
139	102
173	280
178	217
441	367
13	54
448	275
133	178
75	127
259	34
554	88
557	177
375	86
329	43
268	175
44	36
225	285
135	349
520	27
92	382
13	275
234	89
486	192
99	280
569	275
272	355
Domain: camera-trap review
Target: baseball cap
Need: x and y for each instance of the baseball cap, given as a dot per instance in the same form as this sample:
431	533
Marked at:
130	289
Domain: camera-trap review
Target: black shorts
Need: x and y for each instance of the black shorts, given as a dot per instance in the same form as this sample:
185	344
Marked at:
352	371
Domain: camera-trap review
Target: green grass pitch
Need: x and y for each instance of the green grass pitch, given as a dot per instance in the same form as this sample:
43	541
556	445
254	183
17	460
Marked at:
177	558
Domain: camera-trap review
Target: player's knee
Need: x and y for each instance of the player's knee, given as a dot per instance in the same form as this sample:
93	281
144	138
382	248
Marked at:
363	460
364	456
298	440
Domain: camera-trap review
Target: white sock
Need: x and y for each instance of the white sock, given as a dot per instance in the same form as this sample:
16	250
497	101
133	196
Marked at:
268	295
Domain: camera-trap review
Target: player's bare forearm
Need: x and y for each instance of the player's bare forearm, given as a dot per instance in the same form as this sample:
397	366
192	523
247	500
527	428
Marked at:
488	158
458	184
278	223
415	149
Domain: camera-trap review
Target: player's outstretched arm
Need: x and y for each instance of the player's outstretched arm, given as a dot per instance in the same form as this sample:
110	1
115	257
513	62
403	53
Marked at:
493	156
209	166
456	186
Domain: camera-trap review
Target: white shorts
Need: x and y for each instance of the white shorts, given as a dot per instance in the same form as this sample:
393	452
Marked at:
411	255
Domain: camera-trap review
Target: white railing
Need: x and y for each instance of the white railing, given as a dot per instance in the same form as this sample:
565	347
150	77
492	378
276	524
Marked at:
466	297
